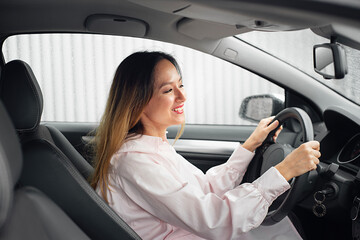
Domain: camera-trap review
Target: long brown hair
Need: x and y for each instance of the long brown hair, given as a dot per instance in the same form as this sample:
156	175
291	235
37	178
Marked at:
131	90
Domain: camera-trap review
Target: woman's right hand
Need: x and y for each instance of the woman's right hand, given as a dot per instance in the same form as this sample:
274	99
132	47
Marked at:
301	160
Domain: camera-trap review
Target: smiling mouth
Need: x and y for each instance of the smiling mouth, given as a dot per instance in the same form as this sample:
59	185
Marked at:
179	110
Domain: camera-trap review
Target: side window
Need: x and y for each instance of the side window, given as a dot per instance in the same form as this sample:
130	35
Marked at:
75	72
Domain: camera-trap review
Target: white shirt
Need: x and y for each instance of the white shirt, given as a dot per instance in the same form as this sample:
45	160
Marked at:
163	196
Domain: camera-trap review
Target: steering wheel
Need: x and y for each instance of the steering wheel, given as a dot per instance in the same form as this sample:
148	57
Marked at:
270	153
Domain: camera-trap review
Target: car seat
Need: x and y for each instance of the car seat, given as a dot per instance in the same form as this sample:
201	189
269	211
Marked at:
25	212
23	98
48	166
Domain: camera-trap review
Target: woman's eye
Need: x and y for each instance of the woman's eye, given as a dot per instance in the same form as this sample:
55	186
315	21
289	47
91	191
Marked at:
168	90
181	86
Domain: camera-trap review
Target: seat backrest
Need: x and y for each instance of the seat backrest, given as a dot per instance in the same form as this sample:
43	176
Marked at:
25	212
22	96
48	168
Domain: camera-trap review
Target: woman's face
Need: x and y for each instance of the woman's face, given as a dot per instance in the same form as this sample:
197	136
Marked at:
166	107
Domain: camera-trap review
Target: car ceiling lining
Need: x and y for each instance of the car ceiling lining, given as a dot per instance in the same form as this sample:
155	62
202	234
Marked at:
257	15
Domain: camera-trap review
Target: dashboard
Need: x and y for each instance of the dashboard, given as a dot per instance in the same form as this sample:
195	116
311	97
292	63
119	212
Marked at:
340	144
339	147
350	153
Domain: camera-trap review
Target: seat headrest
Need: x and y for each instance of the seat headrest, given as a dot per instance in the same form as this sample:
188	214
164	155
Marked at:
10	163
21	95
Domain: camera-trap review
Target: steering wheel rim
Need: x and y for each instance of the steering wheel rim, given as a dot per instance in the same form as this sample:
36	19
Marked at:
257	164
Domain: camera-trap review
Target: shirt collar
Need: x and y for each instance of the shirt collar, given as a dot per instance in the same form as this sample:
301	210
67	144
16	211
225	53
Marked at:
143	143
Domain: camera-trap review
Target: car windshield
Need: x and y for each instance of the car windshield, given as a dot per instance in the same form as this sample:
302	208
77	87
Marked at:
296	48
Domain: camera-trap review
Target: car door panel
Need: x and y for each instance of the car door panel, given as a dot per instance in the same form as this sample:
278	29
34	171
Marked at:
204	146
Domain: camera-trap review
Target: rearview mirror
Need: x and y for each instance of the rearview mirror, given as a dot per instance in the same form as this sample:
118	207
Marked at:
257	107
330	60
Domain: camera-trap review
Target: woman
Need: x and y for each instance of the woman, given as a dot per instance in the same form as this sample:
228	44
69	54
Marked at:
156	191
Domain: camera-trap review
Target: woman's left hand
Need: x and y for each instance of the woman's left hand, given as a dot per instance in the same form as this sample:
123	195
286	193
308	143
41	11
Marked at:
261	132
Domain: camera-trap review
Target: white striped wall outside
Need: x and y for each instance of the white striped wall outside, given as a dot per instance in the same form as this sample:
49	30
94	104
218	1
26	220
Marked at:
75	72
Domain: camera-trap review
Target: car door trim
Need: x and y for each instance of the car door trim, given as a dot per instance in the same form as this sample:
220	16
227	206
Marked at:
204	146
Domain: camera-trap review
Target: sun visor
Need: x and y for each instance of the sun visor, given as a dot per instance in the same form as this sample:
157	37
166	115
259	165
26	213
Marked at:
200	30
116	25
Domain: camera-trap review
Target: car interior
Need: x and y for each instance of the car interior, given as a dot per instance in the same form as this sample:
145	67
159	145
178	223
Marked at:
46	163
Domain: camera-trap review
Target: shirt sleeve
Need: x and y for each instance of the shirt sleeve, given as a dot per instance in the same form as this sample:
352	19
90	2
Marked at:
224	177
181	204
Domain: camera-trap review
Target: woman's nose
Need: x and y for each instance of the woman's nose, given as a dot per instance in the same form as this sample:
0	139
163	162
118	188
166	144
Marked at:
181	95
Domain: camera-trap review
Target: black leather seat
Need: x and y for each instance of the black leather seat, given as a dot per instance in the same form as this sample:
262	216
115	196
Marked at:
60	174
25	212
23	98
